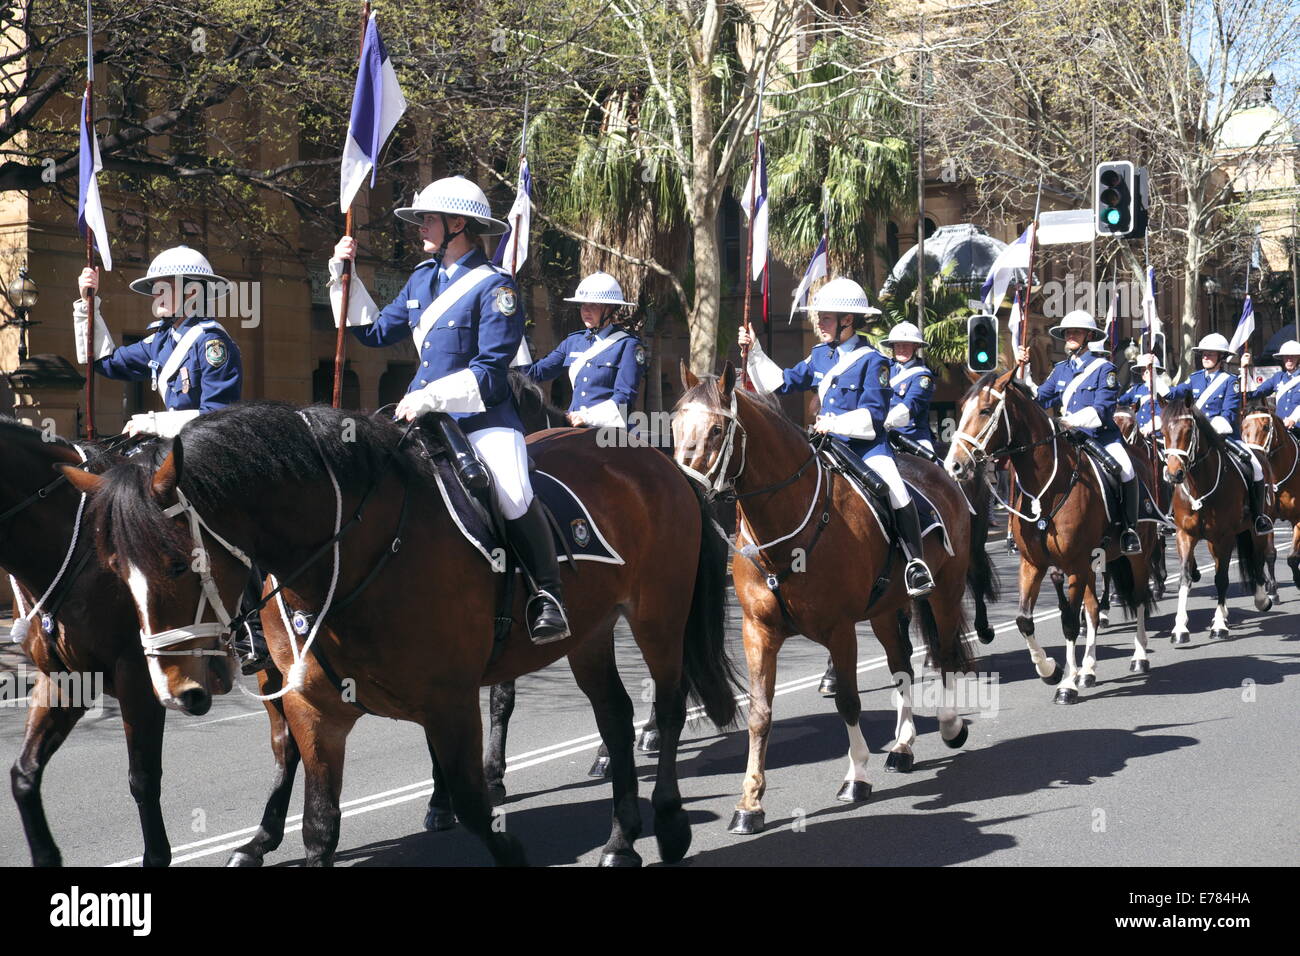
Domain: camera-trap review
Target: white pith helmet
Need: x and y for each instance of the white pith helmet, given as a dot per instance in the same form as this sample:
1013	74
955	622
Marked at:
1289	348
1142	361
904	333
841	295
600	288
178	261
1078	319
455	196
1214	342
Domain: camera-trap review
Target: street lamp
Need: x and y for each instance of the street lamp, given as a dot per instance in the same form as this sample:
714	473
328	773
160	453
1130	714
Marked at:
23	295
1131	352
1211	290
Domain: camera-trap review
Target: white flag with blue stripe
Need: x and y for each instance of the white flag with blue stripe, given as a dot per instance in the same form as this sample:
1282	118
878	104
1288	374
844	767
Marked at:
90	210
816	270
1245	327
1149	308
1003	270
756	197
512	250
377	105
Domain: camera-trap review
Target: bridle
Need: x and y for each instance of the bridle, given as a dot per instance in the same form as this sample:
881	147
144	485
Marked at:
1189	458
1268	448
715	480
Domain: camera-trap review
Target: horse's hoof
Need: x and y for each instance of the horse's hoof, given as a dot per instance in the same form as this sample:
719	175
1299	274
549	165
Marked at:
243	859
437	819
1194	574
986	635
747	822
1088	680
673	834
1054	678
899	762
854	791
1066	695
600	768
960	740
829	686
648	742
1180	639
1219	634
1139	667
1264	605
623	858
1103	619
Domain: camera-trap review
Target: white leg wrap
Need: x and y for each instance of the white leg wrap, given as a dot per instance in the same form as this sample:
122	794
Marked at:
858	754
1180	620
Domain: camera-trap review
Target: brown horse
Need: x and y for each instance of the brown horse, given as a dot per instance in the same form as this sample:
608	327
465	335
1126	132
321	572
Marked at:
1263	431
835	568
1199	466
260	481
94	633
1063	525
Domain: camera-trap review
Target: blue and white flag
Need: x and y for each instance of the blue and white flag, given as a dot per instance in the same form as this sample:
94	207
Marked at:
1245	327
1112	327
816	270
512	250
1014	323
1003	270
756	196
1149	308
90	211
377	105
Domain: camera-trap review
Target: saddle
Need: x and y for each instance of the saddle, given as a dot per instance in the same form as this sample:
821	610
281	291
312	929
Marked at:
1107	471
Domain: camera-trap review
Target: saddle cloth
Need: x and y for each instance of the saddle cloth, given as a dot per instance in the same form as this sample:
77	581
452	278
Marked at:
926	511
582	537
1110	494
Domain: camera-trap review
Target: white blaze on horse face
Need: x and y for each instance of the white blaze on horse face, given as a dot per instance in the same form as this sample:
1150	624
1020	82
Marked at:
690	437
139	586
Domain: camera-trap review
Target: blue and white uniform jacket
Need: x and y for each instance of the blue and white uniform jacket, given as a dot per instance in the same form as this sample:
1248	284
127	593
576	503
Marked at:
605	368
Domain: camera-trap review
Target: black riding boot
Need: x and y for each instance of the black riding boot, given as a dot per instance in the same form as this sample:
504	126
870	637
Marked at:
530	536
917	575
249	641
1129	543
1263	523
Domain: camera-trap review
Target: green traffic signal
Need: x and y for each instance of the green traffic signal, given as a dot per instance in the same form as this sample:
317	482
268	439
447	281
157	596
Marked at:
981	356
1113	216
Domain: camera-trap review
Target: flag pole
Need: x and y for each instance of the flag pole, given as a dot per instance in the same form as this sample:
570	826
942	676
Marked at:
523	152
88	119
346	279
1029	278
749	240
1152	450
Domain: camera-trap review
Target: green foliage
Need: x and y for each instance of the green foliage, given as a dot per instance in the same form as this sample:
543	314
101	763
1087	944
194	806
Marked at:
946	312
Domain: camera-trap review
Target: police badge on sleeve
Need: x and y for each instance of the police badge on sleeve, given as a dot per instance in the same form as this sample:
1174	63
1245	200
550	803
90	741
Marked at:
506	300
216	353
1112	379
640	355
884	375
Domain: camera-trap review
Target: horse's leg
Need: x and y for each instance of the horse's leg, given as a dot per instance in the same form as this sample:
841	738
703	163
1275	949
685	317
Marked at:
828	686
1058	582
142	722
648	741
47	728
501	704
595	670
898	651
270	832
660	637
1266	589
440	816
1103	604
322	740
1186	545
843	643
1270	572
1293	560
1068	692
454	729
1092	623
1139	664
761	646
1222	557
1031	578
1158	568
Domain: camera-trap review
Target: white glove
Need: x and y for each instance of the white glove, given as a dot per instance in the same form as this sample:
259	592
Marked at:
1221	425
162	424
104	344
854	424
361	307
1083	418
763	372
899	417
1289	421
456	393
606	414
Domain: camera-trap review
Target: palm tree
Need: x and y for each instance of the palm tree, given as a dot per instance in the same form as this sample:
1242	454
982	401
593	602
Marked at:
946	312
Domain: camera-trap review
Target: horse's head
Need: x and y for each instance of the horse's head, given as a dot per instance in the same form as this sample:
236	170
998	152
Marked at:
983	426
1188	434
708	440
149	535
1260	428
1126	420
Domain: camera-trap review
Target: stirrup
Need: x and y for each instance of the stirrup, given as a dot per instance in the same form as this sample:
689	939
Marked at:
1130	535
1263	524
550	635
925	585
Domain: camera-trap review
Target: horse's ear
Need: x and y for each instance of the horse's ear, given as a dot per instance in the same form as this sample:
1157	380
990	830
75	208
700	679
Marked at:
83	481
973	376
727	380
168	475
689	378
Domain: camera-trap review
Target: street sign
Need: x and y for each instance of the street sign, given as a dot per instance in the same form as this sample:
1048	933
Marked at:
1065	226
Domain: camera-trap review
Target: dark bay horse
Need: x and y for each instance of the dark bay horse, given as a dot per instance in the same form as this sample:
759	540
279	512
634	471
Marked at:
416	644
1199	466
1062	524
1266	433
832	570
95	634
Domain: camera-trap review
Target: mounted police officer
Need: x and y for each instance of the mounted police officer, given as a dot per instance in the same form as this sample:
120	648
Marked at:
852	381
605	361
466	319
912	381
189	360
1217	393
1285	385
1145	419
1085	386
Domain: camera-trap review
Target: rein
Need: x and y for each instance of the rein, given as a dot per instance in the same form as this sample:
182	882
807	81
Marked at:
1190	461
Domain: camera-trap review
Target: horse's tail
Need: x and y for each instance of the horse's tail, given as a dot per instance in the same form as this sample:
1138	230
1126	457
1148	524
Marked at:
1125	587
708	675
947	652
1250	564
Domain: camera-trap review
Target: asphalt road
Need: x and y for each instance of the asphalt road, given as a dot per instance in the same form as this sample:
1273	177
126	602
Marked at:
1192	764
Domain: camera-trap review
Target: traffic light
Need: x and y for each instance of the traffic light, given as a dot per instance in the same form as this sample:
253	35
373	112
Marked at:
1141	202
1115	200
982	342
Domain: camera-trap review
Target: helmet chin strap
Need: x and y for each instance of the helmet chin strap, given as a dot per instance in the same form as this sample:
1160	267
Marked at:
447	237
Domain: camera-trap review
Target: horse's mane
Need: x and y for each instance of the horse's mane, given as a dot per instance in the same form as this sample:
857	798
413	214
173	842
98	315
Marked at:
1257	405
535	409
988	379
99	458
231	457
706	393
1186	404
